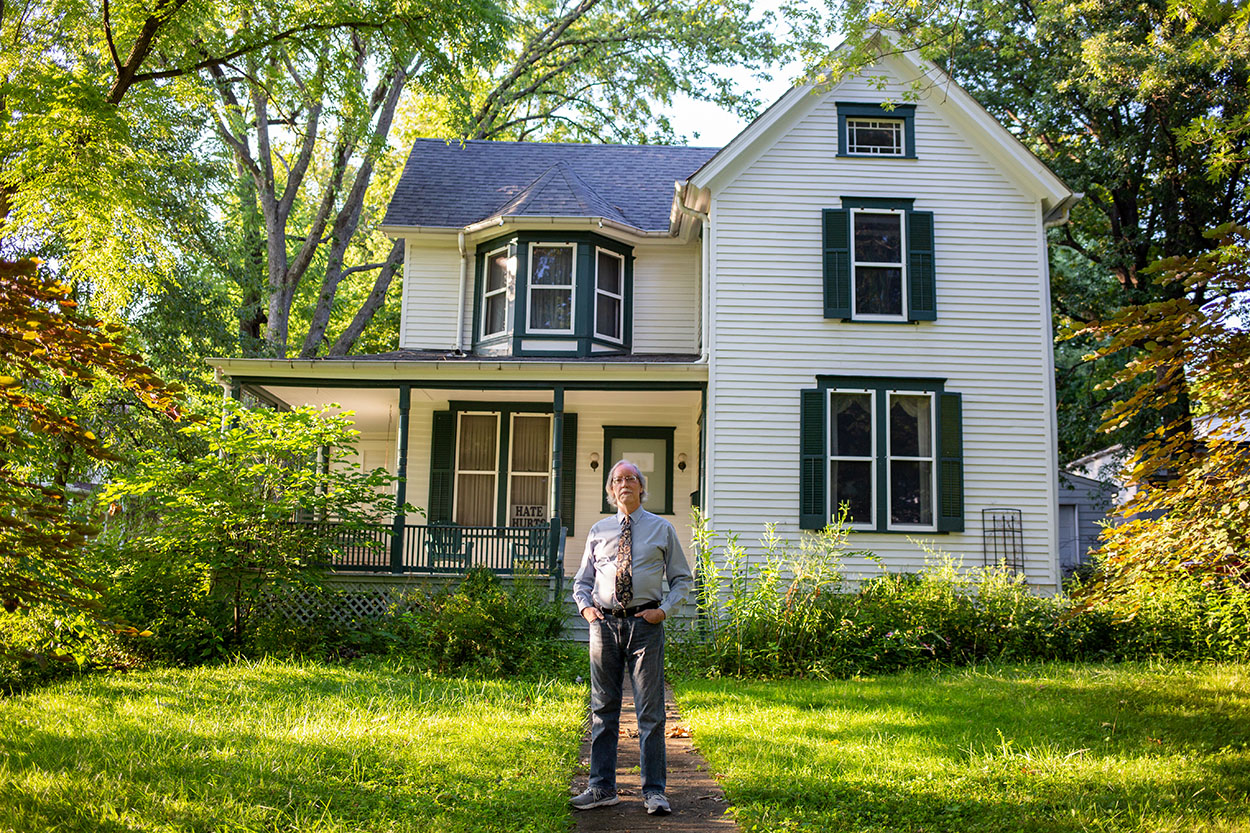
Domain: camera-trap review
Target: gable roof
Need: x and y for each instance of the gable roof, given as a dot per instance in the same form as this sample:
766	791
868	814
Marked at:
1004	147
457	185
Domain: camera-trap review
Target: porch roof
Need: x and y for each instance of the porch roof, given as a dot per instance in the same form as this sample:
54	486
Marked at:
433	368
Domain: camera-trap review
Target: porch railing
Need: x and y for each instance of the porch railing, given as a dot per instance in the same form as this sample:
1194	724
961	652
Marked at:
443	549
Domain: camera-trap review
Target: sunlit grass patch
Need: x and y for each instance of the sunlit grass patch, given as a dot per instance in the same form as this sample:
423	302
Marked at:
1028	748
289	746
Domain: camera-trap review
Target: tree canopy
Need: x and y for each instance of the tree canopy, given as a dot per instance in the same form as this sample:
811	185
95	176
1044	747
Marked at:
1188	515
49	355
1143	107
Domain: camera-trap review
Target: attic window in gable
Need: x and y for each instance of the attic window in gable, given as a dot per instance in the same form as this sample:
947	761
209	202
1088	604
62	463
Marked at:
873	130
874	137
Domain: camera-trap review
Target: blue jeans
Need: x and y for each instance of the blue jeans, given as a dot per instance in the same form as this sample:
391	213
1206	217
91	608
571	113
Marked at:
617	647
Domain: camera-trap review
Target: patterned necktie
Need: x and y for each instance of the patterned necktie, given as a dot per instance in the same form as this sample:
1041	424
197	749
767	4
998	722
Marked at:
624	565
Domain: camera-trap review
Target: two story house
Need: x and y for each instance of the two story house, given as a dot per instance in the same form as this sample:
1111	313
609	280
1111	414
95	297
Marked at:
848	305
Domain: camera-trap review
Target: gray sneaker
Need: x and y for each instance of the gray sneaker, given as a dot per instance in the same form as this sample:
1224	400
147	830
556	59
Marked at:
593	798
657	804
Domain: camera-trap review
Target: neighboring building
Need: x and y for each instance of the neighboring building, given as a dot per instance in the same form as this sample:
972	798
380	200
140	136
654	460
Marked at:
847	304
1084	506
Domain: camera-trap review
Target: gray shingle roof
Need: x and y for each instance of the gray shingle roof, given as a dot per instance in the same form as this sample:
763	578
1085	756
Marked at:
452	185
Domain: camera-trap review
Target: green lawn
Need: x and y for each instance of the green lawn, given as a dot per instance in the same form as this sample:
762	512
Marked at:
1051	748
289	747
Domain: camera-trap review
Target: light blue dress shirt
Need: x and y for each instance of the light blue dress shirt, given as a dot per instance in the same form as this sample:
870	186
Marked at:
657	554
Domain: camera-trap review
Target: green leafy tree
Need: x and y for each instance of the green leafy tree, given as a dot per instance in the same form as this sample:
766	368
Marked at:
1188	516
308	131
50	357
1141	106
224	519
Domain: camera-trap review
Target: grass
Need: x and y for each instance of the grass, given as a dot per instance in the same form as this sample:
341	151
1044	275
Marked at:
273	746
1037	748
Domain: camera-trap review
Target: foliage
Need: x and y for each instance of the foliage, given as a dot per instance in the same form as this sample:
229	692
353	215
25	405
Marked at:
1045	748
482	627
290	746
221	525
50	356
793	613
1142	107
477	626
1188	516
603	70
43	643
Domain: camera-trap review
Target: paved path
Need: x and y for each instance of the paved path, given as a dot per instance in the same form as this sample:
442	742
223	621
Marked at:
698	801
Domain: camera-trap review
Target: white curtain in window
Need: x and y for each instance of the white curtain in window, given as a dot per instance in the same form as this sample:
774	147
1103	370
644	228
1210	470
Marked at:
911	426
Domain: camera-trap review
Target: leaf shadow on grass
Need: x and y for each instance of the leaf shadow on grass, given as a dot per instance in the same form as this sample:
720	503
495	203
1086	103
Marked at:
136	754
1048	749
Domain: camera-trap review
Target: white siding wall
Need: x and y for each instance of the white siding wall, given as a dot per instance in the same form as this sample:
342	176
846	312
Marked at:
431	286
666	299
990	341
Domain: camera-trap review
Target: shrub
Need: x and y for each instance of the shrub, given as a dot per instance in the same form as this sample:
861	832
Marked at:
792	613
42	643
480	626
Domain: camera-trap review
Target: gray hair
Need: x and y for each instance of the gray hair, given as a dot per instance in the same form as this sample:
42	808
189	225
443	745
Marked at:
642	480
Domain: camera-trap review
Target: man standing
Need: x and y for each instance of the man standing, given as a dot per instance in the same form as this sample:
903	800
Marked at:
619	593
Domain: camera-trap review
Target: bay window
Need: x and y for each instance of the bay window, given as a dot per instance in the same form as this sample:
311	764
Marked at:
551	288
553	294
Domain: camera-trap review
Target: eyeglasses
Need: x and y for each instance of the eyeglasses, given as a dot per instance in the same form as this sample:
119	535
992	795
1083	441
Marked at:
627	478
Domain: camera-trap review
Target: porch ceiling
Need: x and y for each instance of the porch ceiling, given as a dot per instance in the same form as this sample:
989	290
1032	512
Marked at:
376	409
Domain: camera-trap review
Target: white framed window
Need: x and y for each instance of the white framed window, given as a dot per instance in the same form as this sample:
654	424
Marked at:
551	287
911	471
477	468
875	136
529	470
852	447
609	295
878	264
498	282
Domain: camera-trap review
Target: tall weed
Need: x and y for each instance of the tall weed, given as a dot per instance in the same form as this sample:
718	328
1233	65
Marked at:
791	612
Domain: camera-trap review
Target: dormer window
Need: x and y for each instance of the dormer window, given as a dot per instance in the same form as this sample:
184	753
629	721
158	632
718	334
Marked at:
545	294
872	130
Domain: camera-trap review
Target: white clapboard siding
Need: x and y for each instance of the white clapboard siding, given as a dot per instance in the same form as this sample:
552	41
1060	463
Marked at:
431	293
990	340
666	299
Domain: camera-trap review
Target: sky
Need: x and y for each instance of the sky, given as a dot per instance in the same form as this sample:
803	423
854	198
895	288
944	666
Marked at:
716	127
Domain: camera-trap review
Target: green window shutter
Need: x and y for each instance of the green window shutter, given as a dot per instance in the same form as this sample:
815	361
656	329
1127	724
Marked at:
836	236
442	466
922	297
568	472
812	462
950	463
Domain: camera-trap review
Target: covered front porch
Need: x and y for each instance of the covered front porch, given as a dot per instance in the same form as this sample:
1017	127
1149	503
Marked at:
506	461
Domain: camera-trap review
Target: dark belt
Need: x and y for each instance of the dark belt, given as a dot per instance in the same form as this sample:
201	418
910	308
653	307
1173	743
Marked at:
626	612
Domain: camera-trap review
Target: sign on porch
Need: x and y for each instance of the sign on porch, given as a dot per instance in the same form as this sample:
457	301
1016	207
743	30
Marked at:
529	515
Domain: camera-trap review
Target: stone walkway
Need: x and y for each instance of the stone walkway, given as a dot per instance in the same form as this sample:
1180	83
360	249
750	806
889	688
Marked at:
698	802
